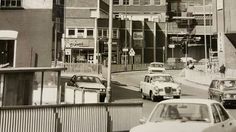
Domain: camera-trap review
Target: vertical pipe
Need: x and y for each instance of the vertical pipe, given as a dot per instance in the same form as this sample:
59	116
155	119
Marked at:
108	96
58	87
55	43
14	60
95	42
154	43
41	93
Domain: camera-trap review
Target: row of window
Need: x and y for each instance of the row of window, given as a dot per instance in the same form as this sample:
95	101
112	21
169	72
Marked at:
89	33
11	3
137	2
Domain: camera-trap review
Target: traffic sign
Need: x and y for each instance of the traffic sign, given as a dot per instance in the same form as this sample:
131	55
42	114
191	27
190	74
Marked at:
131	52
68	51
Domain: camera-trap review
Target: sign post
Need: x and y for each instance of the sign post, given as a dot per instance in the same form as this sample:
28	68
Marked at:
132	53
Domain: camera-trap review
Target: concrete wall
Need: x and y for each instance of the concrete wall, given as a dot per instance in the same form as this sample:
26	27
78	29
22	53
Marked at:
34	40
225	25
81	3
37	4
230	16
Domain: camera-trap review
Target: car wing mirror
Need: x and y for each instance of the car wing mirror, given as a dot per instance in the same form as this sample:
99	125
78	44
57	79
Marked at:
143	120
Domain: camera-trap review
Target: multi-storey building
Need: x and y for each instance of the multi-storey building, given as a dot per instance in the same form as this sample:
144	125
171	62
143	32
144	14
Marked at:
226	31
25	33
186	25
147	26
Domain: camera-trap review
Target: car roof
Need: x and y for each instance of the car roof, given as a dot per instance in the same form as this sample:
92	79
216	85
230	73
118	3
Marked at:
157	74
200	101
156	63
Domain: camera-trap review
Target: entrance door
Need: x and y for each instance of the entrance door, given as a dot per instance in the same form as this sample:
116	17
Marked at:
6	53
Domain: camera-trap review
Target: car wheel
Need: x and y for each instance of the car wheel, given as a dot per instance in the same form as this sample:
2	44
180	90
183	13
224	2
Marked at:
143	96
153	97
159	98
176	97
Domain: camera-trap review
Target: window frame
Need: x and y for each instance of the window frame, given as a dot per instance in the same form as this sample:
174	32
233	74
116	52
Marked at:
90	36
5	4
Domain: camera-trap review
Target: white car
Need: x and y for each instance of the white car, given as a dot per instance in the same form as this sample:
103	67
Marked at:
156	67
188	115
184	59
159	86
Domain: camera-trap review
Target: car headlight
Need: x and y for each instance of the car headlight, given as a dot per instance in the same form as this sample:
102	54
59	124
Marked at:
227	96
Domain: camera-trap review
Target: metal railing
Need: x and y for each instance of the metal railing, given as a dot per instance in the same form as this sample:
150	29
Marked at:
102	117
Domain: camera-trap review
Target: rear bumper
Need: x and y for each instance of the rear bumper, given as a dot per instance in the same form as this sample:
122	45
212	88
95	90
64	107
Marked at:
229	102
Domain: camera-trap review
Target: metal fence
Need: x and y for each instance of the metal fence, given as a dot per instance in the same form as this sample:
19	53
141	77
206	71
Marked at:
102	117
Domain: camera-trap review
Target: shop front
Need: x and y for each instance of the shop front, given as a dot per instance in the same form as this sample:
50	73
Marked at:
79	50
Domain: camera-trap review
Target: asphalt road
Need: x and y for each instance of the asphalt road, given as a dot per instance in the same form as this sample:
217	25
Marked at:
125	87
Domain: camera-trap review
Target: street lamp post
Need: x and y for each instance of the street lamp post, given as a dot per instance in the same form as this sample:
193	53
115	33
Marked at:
108	92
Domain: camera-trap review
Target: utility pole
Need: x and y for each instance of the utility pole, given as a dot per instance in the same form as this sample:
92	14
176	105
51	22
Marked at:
108	92
205	41
126	35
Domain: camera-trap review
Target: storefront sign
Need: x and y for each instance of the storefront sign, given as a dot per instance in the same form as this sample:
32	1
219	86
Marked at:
78	43
138	35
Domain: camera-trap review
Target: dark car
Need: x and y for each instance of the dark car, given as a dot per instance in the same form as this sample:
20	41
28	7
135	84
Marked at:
224	91
174	63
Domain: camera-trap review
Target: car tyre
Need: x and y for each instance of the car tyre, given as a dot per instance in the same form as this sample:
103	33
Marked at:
176	97
153	97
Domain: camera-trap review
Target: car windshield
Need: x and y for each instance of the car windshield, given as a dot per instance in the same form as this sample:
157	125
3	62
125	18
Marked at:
88	79
156	65
228	84
181	111
162	79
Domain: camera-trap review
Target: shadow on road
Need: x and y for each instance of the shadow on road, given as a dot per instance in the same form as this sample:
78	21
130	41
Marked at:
119	93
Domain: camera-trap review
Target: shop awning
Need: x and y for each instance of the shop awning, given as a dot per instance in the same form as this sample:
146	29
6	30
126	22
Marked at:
8	35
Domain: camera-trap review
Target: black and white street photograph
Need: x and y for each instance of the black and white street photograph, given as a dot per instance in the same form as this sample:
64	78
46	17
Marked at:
117	66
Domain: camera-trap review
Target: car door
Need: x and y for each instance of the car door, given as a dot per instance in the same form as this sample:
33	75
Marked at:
228	123
212	89
218	125
145	88
218	92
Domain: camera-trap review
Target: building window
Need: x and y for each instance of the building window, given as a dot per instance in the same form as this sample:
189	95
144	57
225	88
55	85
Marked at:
157	2
146	2
99	33
11	3
80	33
115	33
71	32
90	33
126	2
136	2
115	2
104	33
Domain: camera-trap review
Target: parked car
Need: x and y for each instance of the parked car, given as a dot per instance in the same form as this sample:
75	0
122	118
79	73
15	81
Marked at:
174	63
184	59
91	82
159	86
187	115
156	67
224	91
